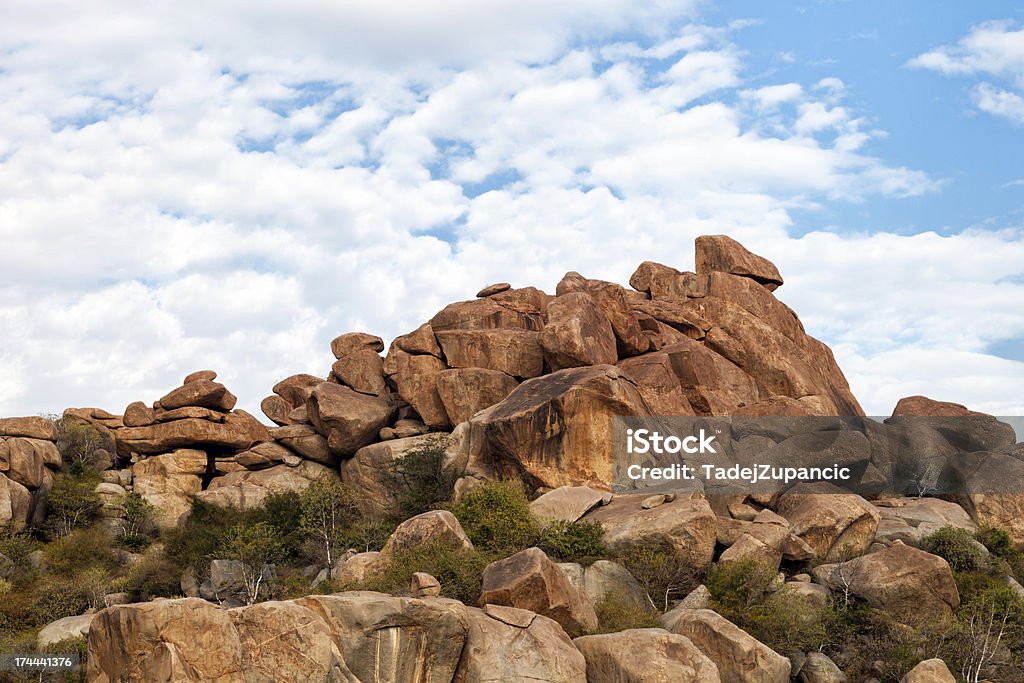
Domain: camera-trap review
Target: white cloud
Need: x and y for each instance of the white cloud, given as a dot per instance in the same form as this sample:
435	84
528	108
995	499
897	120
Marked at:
231	194
993	50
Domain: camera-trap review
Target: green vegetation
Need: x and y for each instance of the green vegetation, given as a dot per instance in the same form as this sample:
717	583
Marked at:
664	573
422	479
329	510
497	518
73	502
615	614
958	547
459	572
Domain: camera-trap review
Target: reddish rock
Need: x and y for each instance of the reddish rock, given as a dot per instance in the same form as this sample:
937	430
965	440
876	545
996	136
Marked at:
303	440
277	409
203	393
420	341
31	427
362	370
416	381
578	333
138	414
466	391
297	388
188	433
512	309
347	419
719	253
658	281
355	341
491	290
208	375
515	352
658	383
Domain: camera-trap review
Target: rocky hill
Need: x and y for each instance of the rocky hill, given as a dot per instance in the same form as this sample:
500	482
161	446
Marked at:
445	512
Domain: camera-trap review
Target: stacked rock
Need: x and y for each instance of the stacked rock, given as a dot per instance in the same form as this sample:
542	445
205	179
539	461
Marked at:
28	456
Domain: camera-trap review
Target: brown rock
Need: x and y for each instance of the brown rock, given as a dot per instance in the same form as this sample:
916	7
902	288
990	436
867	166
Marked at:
168	482
740	657
424	586
420	341
686	525
203	393
521	309
416	380
297	389
138	414
188	412
929	671
529	580
357	569
200	375
719	253
362	370
25	460
965	429
513	352
508	644
437	527
302	440
244	489
578	333
188	433
31	427
647	654
466	391
15	504
748	548
557	429
910	584
567	503
658	383
278	637
276	409
491	290
264	455
922	406
347	419
355	341
833	523
157	641
370	471
658	281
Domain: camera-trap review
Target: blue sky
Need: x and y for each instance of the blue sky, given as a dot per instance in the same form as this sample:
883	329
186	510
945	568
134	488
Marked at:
230	185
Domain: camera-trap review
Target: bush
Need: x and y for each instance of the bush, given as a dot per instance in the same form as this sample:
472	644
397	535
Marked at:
957	547
497	518
460	572
77	441
16	547
328	510
73	502
614	614
367	535
198	538
255	546
787	623
573	541
422	479
153	576
663	572
79	551
56	598
735	587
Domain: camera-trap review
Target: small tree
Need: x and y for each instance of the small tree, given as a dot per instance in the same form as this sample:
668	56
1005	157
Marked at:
661	570
328	510
256	547
77	442
423	478
72	503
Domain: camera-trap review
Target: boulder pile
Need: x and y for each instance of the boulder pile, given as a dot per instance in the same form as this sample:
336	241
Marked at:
28	457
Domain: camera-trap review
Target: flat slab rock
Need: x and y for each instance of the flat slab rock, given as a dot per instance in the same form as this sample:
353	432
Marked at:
568	503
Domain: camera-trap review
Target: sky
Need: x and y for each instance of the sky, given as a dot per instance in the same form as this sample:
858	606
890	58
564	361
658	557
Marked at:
230	184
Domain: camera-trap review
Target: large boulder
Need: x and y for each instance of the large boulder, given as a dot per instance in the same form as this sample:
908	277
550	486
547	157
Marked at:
529	580
516	353
577	333
371	471
415	377
285	639
353	342
15	503
719	253
404	640
965	429
362	370
246	489
514	309
509	644
30	427
556	430
25	459
929	671
647	654
169	481
466	391
740	657
62	629
834	524
604	579
437	527
909	583
567	503
992	490
198	433
202	393
305	442
297	389
686	525
347	419
171	640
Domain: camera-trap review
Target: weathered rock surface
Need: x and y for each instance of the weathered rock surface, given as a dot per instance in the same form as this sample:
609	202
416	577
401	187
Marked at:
516	353
649	654
832	523
577	333
509	644
355	341
604	579
466	391
347	419
929	671
304	441
437	527
203	393
719	253
246	489
567	503
686	525
29	427
62	629
818	668
187	433
362	370
909	583
371	471
416	380
169	482
740	657
529	580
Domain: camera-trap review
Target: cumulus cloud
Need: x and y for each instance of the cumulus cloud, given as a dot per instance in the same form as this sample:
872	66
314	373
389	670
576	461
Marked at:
993	50
231	193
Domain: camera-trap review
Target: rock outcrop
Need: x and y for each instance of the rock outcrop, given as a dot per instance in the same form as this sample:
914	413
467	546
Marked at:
28	458
649	654
740	657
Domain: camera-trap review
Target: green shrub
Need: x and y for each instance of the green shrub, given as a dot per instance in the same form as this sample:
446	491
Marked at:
198	538
17	547
283	511
573	541
153	576
460	572
137	514
957	547
664	573
497	518
737	586
787	623
77	441
998	543
366	535
56	598
80	550
255	546
328	510
73	502
421	478
615	614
